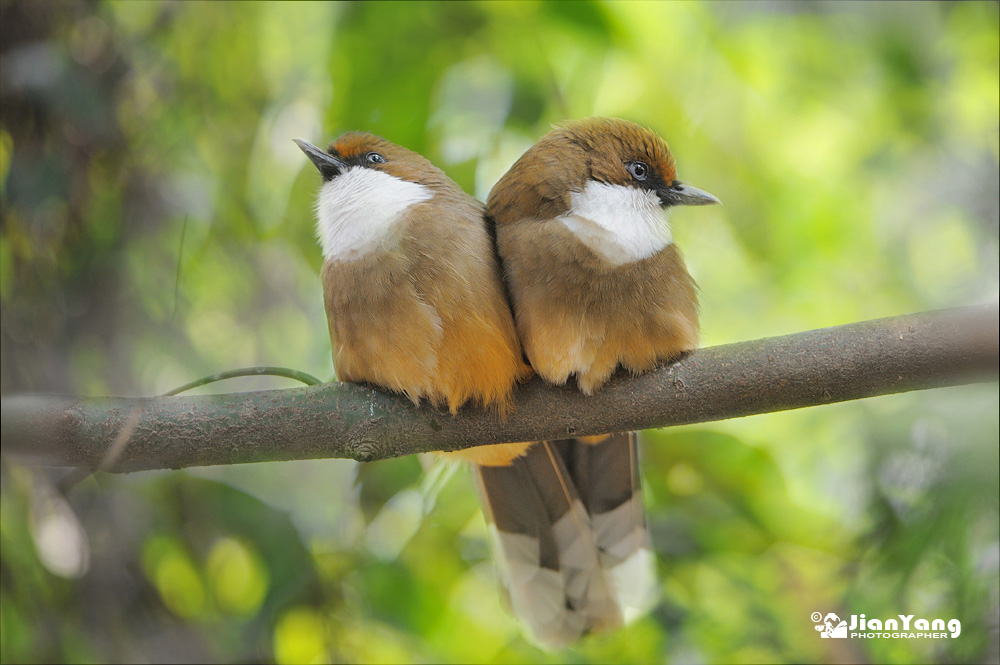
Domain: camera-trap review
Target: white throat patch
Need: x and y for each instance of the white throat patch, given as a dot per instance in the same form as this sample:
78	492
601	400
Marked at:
359	209
622	224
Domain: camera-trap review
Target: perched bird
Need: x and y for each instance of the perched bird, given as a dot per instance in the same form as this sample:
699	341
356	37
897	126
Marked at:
595	282
414	298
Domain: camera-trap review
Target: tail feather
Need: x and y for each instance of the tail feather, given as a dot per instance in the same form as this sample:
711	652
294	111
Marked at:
572	548
608	469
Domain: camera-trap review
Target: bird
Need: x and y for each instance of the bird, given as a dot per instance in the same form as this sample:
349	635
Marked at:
412	289
596	283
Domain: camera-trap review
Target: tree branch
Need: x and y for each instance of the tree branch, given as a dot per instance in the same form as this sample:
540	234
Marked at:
912	352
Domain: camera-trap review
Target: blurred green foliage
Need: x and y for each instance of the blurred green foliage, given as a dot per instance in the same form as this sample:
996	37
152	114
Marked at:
157	228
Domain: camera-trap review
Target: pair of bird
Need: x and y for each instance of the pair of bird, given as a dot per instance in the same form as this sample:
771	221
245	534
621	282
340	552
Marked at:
417	303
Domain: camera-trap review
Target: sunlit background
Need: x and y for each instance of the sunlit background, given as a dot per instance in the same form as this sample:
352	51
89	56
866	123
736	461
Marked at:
157	227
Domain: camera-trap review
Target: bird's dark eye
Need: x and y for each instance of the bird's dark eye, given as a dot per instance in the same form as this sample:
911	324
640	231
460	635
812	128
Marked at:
375	158
638	170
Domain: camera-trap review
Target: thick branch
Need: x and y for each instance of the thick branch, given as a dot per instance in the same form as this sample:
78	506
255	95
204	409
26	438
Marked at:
912	352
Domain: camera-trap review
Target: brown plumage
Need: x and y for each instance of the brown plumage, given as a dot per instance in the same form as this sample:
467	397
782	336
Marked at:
595	282
424	313
592	318
565	295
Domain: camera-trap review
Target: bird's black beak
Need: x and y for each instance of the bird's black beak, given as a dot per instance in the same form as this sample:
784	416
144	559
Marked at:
680	194
329	166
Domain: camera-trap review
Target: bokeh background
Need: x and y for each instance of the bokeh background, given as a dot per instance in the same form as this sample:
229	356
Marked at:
157	227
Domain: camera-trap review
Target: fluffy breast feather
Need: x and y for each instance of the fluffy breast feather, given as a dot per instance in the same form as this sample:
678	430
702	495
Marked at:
578	313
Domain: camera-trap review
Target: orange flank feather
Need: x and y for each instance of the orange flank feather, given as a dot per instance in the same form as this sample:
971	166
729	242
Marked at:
426	315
